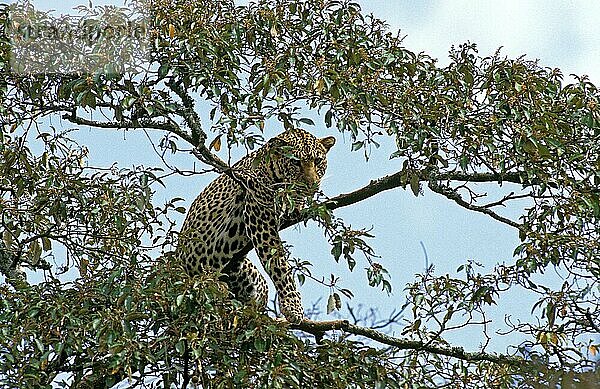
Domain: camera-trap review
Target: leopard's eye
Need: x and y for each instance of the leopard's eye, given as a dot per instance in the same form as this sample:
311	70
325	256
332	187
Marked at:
318	161
296	162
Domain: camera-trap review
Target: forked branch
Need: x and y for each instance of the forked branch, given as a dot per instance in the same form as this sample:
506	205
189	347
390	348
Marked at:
318	328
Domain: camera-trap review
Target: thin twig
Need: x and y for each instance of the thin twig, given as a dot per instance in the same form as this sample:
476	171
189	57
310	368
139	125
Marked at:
451	194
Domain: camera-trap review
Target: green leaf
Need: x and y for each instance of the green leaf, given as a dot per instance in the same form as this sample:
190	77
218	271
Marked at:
46	244
414	184
328	117
128	102
260	345
337	300
35	251
334	91
331	304
308	121
336	250
550	313
163	70
351	262
418	299
180	346
529	146
464	162
357	145
416	324
8	240
39	345
301	278
518	87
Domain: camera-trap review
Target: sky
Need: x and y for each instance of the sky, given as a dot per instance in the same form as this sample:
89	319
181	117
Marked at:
561	34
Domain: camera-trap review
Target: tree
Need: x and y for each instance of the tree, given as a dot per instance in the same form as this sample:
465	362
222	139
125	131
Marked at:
130	313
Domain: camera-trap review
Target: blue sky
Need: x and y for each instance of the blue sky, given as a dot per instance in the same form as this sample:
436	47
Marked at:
561	34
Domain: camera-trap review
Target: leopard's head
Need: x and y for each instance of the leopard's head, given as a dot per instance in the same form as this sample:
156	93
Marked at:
299	157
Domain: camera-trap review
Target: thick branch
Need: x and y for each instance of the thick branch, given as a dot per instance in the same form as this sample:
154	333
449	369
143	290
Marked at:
396	180
128	124
317	328
204	155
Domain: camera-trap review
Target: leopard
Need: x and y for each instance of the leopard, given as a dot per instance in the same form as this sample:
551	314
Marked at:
242	210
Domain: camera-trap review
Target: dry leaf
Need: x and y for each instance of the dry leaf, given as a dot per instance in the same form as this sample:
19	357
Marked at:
215	144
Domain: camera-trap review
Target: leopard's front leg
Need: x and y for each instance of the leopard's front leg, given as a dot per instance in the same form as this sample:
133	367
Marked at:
262	226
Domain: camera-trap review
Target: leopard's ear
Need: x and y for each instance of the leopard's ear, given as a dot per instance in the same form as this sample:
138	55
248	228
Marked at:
327	142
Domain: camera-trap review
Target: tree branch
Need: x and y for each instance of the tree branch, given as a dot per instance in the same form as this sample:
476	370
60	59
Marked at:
193	121
200	151
204	155
399	179
128	124
392	181
451	194
317	328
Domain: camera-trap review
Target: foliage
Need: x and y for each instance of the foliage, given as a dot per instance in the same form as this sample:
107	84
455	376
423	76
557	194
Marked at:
149	319
130	313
